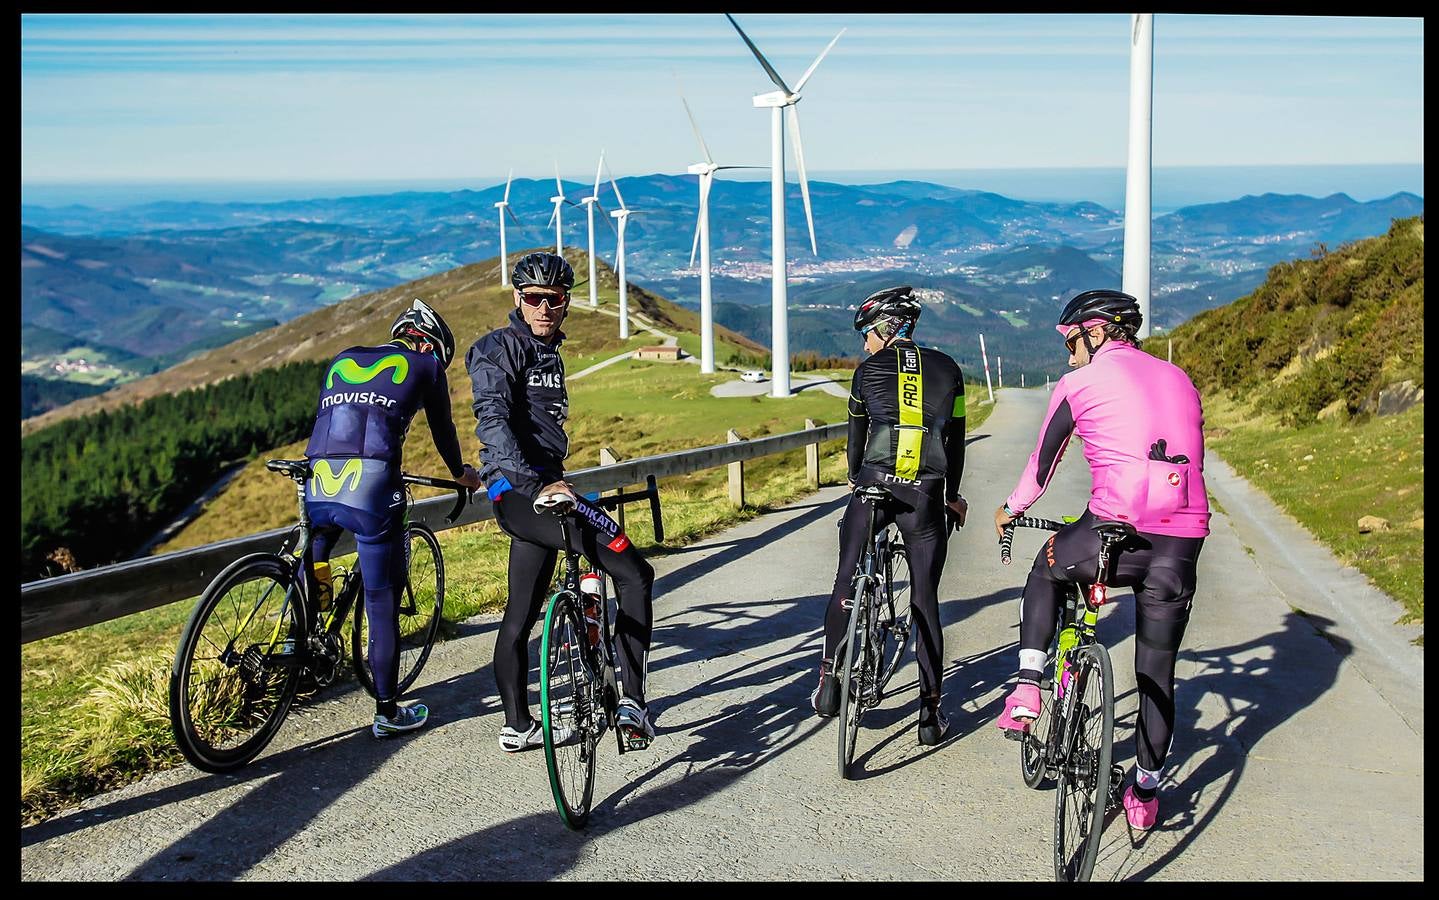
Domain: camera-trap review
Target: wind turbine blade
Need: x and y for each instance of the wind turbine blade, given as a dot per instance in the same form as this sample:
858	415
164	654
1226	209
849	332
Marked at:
815	65
598	169
769	69
705	182
722	168
803	179
696	126
618	196
605	214
507	185
559	188
552	216
512	215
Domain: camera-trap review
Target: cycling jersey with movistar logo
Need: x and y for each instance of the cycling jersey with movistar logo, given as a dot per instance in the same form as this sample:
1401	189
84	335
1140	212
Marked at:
367	400
372	485
906	420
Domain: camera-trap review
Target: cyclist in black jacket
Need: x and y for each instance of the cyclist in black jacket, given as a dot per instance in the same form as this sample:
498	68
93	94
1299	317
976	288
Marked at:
369	397
520	408
906	432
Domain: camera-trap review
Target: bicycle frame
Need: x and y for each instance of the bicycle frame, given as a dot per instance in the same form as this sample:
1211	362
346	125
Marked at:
604	660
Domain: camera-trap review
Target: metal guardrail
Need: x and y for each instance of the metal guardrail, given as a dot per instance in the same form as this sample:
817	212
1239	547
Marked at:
56	605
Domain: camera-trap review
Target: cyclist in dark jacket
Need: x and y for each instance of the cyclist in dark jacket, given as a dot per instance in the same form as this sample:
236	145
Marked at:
520	408
906	432
369	397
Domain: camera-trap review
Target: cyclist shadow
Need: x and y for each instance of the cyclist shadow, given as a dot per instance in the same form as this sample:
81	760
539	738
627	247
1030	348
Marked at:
1242	676
727	745
294	790
963	678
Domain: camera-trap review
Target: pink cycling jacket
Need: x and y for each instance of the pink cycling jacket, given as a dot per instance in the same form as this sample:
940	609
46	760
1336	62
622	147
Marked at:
1122	405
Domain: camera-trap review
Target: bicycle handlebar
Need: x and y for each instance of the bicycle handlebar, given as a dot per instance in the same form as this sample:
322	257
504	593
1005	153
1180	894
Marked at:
1007	538
463	493
651	493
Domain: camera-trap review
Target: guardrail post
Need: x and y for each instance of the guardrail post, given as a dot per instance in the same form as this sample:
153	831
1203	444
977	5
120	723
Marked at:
736	473
811	457
608	458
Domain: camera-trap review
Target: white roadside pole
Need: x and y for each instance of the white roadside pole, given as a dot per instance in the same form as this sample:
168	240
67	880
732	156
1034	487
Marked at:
985	357
1171	349
999	370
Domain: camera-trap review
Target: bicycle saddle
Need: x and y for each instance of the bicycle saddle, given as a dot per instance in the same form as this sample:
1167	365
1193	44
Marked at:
1112	532
554	502
298	469
872	492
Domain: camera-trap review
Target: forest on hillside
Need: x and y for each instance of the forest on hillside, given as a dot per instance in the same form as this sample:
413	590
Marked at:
95	488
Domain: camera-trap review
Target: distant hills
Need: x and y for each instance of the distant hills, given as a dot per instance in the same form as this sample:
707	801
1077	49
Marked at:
163	280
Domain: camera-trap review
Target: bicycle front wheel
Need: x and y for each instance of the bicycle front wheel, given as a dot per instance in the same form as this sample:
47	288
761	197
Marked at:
570	710
422	601
894	613
857	677
1083	784
238	664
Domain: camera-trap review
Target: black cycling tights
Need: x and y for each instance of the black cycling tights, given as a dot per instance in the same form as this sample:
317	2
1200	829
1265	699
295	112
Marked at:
921	521
1161	569
534	545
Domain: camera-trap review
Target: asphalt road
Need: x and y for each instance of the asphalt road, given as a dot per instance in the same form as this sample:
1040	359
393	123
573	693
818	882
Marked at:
1298	754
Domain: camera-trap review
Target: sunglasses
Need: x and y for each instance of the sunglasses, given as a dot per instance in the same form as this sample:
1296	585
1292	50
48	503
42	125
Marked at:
1073	341
535	300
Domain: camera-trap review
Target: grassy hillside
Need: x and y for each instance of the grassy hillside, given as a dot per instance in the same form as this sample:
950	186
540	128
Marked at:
1310	386
470	298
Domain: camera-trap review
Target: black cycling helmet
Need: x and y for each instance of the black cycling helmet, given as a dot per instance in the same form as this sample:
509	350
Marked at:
423	323
1114	307
541	269
895	303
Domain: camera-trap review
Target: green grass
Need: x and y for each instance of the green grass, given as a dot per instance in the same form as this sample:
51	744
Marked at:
1374	468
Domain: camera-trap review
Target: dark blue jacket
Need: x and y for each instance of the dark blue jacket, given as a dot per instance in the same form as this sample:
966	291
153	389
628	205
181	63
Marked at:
369	397
520	408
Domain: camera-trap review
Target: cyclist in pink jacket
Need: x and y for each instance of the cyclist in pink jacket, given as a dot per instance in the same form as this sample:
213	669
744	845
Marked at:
1141	423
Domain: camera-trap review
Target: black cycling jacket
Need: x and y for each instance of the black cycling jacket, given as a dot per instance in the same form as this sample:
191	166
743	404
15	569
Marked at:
906	420
368	399
520	408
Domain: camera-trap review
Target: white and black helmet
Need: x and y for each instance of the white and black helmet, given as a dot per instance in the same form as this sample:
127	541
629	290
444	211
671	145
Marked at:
541	269
895	307
422	322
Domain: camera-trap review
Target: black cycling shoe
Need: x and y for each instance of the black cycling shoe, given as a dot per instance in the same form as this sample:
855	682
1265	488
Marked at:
933	726
825	698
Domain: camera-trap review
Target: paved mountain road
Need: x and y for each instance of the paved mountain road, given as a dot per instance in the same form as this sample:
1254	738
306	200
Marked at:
1299	752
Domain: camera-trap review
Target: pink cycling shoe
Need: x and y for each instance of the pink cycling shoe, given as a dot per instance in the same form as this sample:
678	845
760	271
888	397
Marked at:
1024	703
1142	814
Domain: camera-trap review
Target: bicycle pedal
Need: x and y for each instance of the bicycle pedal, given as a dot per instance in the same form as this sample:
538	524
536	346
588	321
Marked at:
1013	735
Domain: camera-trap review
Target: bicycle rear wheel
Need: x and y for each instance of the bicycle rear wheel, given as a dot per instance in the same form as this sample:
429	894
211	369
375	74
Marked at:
857	678
570	710
238	664
422	602
894	613
1083	784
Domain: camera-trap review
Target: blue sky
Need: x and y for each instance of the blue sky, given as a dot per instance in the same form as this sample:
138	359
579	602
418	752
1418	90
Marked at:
159	97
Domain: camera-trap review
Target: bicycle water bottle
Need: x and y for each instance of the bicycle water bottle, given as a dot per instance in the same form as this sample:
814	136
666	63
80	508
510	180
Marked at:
324	586
1068	637
590	600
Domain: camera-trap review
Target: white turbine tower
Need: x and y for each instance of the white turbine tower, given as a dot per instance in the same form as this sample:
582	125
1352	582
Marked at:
1138	211
504	207
778	101
622	214
705	171
558	200
590	203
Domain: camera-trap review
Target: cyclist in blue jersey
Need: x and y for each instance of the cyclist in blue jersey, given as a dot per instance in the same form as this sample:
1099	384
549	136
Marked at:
369	397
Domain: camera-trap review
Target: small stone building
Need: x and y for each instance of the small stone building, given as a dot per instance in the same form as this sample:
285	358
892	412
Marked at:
668	354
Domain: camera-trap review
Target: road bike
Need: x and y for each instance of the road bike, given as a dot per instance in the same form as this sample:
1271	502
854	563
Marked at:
879	625
261	627
579	687
1072	740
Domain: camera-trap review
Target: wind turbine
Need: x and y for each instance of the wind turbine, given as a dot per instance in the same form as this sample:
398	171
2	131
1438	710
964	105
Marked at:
590	203
623	215
504	207
1137	209
558	200
778	102
705	171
